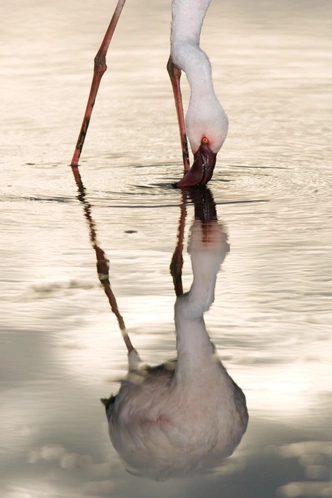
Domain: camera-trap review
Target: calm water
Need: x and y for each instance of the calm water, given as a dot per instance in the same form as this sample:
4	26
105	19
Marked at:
61	349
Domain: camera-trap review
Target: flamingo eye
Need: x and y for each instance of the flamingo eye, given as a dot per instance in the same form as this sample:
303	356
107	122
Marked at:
205	140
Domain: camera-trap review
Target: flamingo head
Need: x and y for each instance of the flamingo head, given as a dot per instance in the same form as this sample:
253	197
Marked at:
207	126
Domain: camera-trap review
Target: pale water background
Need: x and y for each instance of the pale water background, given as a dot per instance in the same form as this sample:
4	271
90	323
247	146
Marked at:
61	349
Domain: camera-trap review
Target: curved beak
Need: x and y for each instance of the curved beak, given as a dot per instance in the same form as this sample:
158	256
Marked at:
202	169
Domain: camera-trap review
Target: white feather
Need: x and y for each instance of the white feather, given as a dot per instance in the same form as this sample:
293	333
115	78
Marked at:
205	116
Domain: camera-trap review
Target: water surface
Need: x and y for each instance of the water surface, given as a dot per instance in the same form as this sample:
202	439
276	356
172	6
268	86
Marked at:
271	321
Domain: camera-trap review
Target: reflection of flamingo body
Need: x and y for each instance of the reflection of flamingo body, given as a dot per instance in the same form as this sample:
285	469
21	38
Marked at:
206	121
185	415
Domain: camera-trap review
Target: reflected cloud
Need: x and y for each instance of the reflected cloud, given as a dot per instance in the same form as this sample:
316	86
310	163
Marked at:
315	458
185	415
305	489
305	447
59	453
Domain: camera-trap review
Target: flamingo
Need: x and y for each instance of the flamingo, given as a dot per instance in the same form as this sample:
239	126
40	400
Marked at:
185	415
206	123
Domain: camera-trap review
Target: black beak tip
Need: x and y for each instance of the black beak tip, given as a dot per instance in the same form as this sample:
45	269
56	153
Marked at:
107	402
202	169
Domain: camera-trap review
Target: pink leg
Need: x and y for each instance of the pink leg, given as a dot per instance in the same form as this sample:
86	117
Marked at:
175	75
99	69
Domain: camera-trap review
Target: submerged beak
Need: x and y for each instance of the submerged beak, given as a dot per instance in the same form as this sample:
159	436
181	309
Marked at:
202	169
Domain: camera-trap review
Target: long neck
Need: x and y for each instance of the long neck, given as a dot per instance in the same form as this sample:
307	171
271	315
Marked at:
187	20
208	248
194	348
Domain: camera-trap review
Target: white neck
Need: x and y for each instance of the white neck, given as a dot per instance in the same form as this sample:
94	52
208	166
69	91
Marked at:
187	20
205	116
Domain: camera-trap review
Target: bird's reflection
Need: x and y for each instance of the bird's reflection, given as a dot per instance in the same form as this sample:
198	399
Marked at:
185	415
